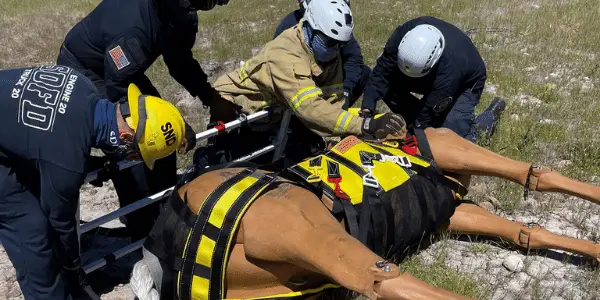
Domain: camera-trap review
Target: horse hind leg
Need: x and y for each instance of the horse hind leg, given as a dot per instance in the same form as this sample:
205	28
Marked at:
290	225
472	219
455	154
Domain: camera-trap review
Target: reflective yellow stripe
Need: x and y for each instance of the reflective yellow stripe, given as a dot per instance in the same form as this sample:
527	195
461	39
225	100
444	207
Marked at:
244	74
237	221
297	294
218	213
342	122
200	290
303	94
205	250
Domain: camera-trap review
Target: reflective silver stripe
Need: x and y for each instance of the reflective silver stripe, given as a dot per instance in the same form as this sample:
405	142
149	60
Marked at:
302	95
339	126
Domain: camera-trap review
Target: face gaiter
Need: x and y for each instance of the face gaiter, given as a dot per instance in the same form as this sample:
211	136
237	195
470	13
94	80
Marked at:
105	125
314	42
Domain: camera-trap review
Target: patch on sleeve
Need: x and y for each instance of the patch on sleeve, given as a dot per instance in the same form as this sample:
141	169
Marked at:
442	105
119	57
347	143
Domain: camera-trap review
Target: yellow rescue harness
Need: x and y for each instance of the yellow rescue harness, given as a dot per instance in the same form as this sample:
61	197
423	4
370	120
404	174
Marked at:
352	172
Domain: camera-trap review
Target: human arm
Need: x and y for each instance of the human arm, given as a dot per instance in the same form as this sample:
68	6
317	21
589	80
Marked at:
384	70
353	65
294	86
182	65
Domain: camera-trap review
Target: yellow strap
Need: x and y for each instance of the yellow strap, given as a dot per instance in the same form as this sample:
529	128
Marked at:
298	293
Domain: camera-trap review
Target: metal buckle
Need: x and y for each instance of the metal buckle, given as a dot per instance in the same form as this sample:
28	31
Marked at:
402	161
315	176
369	179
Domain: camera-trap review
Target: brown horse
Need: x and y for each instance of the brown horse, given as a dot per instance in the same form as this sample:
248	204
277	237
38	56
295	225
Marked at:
288	240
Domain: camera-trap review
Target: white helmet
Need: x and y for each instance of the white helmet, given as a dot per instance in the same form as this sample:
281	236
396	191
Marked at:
419	50
304	3
331	17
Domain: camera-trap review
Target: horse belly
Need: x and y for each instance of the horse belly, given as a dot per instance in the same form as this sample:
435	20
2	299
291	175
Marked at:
252	278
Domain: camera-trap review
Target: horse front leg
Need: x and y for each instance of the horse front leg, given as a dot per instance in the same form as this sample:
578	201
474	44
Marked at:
455	154
472	219
290	225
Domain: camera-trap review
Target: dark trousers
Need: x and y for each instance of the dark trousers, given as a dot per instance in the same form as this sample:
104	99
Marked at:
136	182
25	233
458	115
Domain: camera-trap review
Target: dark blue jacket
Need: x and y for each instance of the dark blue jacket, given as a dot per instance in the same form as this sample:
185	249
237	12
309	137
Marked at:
120	40
351	54
46	114
457	70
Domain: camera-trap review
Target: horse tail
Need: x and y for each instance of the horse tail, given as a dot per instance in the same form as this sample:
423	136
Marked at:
142	283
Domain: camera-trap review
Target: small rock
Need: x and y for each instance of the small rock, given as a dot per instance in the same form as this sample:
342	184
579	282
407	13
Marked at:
547	121
14	290
514	117
256	50
530	69
587	85
487	206
189	105
564	163
553	75
529	100
537	269
490	88
513	263
494	201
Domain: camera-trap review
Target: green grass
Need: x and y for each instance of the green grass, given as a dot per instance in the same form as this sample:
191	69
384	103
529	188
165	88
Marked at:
522	42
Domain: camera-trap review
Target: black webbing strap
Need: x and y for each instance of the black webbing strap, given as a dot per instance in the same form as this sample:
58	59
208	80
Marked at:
432	173
365	217
374	213
142	116
217	275
157	238
189	257
423	144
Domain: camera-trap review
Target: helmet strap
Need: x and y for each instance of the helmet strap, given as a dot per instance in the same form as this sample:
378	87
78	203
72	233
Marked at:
142	116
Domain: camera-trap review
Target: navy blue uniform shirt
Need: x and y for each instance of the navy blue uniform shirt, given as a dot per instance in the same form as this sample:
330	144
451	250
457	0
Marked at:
120	40
459	68
46	114
351	54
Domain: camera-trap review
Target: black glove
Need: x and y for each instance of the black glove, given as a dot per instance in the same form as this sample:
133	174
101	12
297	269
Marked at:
389	125
74	277
208	95
190	137
77	283
347	98
365	113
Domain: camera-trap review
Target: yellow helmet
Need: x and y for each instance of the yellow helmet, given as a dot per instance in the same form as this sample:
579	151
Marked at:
158	125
